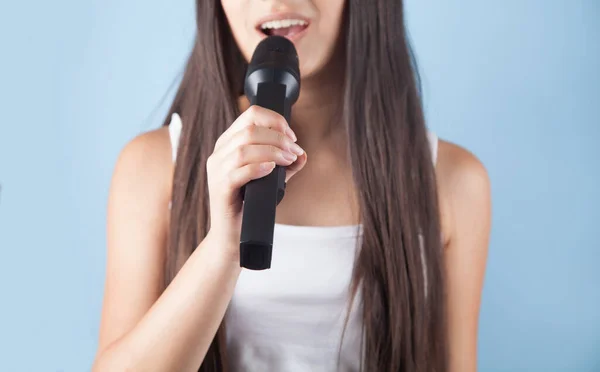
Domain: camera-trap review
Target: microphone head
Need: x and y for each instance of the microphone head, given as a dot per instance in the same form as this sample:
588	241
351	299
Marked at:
275	52
275	59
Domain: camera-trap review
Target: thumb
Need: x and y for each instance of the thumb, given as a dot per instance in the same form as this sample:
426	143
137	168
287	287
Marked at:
296	166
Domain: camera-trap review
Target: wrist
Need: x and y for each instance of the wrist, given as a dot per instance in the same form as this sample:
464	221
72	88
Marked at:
221	250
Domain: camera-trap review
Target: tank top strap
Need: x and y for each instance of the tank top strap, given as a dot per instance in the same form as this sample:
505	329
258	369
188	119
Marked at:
175	127
433	145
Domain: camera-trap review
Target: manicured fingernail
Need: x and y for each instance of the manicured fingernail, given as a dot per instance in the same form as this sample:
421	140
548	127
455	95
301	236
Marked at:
268	165
296	149
289	156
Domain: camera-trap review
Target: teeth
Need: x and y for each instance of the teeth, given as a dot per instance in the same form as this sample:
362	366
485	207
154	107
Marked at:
283	23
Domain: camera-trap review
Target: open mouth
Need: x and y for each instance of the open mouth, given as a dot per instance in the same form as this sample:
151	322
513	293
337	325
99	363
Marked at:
283	27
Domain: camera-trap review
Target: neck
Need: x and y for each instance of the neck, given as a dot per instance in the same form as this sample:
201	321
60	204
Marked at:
316	116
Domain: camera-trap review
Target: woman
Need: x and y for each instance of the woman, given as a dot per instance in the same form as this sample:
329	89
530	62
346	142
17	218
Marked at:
381	239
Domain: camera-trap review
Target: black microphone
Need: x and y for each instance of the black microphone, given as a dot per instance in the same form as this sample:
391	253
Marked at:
273	82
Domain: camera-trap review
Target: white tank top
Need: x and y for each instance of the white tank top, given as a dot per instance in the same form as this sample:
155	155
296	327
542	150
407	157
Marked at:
290	318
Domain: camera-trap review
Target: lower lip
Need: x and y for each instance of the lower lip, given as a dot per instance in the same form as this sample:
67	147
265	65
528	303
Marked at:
292	38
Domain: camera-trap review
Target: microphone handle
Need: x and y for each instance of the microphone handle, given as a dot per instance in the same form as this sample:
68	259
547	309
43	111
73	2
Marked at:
261	196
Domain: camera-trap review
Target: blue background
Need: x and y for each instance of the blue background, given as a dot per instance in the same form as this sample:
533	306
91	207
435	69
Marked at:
516	82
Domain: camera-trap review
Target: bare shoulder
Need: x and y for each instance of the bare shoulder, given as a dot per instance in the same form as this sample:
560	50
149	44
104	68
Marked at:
147	152
145	162
463	187
457	167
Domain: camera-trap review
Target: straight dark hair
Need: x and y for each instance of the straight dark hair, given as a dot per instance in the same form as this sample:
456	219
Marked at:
399	267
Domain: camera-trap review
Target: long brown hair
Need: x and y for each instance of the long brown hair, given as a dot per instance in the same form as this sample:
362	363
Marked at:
399	266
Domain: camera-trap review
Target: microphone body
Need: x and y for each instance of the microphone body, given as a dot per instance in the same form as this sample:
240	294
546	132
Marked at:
273	82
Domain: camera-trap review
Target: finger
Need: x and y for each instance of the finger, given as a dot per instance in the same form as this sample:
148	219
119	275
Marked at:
255	135
248	154
241	176
264	117
257	116
295	167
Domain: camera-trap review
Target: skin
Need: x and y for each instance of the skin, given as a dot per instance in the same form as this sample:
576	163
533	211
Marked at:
144	329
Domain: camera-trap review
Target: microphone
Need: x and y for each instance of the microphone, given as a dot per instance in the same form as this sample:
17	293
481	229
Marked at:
272	81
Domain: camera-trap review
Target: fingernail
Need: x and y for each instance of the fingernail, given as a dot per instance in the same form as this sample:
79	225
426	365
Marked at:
291	134
296	149
289	157
268	165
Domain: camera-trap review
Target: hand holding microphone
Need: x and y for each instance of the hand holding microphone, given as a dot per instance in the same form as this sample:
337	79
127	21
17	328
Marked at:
257	141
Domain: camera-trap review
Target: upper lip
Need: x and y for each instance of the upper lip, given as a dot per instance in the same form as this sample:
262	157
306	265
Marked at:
279	17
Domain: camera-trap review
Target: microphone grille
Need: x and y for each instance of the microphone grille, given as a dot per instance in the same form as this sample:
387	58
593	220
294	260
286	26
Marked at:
274	44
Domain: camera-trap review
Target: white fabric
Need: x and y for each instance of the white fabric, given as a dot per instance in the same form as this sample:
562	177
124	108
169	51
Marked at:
175	127
290	318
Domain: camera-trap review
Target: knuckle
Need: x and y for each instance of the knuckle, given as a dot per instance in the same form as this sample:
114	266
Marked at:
275	119
282	123
250	131
253	110
240	153
274	149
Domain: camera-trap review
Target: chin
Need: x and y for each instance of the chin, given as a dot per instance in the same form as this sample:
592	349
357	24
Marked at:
308	71
313	65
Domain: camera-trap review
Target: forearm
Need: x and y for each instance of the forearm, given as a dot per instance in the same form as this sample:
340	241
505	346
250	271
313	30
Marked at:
174	335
